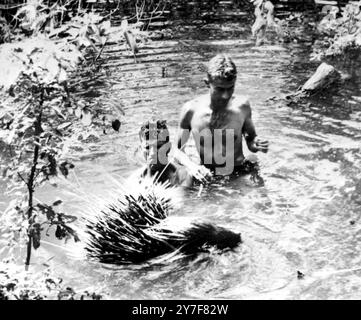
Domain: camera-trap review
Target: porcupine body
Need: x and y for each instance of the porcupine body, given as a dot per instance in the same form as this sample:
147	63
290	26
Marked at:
136	228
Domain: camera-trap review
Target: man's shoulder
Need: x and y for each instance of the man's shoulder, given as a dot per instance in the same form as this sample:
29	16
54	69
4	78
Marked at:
241	103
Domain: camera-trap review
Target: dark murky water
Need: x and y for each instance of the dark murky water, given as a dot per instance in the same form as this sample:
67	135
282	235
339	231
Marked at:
304	218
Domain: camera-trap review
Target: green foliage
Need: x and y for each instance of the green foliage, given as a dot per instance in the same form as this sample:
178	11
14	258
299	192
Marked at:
340	33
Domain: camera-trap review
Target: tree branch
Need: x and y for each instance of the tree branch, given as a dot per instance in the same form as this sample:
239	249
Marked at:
22	178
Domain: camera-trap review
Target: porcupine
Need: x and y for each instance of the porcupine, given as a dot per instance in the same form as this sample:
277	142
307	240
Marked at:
136	228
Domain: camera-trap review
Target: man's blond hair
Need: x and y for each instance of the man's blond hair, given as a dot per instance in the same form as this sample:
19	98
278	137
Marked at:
221	67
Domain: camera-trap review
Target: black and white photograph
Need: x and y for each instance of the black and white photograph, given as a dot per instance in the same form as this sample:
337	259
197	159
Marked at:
201	151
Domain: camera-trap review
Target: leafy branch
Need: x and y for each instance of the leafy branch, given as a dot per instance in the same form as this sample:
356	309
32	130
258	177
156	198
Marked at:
37	125
340	33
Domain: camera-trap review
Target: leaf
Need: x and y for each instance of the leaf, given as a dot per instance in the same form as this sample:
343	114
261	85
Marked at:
63	76
73	31
84	41
116	125
72	232
60	232
103	40
47	210
36	242
105	27
66	218
52	70
92	29
57	110
57	202
35	233
78	112
38	23
86	118
63	167
64	125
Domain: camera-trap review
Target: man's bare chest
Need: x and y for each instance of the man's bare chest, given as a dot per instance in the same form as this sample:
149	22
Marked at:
221	122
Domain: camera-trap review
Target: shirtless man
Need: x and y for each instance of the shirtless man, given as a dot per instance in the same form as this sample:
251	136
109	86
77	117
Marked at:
154	139
218	121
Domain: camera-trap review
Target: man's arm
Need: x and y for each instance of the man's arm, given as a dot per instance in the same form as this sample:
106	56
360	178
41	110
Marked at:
184	126
195	170
254	144
183	135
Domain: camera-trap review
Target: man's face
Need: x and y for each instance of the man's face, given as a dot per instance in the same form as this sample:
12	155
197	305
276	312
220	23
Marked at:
155	150
221	91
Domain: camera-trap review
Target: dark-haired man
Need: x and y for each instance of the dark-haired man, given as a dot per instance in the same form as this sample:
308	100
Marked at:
155	145
219	120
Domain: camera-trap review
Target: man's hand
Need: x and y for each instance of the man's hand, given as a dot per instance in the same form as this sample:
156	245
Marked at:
259	145
199	172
